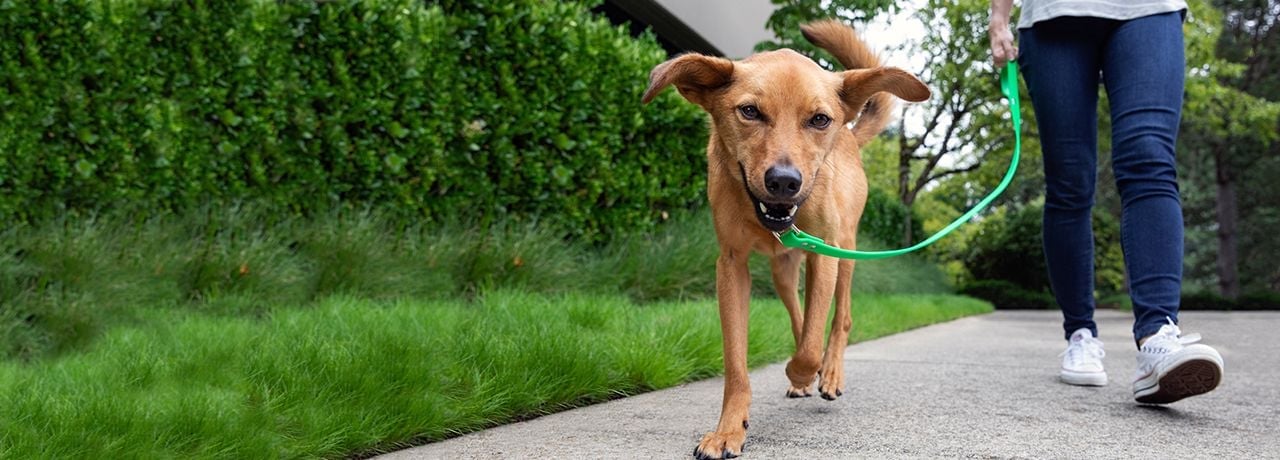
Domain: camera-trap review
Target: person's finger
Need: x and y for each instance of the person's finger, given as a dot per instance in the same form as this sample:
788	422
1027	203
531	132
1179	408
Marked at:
1008	51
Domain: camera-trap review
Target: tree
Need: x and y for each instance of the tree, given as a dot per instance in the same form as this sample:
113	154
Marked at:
790	14
1250	37
1226	129
966	120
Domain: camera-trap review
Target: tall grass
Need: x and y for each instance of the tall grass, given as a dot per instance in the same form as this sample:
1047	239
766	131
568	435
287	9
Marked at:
350	376
64	282
239	332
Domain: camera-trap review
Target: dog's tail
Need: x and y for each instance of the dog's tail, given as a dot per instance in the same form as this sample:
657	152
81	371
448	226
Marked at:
843	43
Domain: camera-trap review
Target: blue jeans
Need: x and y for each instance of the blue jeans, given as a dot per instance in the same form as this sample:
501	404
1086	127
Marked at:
1142	64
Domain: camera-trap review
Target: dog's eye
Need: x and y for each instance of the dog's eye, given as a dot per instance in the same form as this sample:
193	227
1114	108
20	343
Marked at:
820	121
749	112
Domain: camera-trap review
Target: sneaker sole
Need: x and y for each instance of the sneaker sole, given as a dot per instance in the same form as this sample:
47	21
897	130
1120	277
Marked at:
1084	379
1193	376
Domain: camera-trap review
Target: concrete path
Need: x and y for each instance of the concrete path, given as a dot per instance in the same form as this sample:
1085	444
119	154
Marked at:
978	387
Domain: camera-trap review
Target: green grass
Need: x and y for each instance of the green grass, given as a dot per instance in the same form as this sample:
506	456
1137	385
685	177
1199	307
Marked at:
64	283
240	332
343	375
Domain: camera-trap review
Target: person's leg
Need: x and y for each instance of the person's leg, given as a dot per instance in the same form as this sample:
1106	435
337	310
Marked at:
1060	60
1143	70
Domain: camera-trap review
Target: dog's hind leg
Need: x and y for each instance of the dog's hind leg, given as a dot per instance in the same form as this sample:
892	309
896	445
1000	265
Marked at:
786	279
820	281
831	385
733	289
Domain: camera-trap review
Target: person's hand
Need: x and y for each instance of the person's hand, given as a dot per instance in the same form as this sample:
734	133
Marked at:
1002	48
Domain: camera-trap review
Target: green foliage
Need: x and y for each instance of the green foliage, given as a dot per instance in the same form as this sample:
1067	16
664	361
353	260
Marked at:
880	162
1249	35
64	282
1009	247
911	273
486	110
884	216
959	148
1230	137
970	118
788	15
1260	206
1205	300
351	378
1005	295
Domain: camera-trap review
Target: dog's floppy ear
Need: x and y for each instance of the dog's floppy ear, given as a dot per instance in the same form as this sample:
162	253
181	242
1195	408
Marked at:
861	84
694	75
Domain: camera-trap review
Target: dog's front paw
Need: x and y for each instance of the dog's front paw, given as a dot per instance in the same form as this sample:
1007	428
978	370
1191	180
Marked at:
720	445
797	372
798	392
831	384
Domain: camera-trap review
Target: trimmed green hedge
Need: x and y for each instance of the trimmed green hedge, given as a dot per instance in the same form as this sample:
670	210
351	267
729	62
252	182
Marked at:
1005	295
444	110
1010	247
1264	300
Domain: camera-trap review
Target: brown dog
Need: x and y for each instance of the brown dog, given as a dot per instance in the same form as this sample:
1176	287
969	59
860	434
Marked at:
780	153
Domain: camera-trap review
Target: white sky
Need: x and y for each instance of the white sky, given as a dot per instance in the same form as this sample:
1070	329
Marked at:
891	34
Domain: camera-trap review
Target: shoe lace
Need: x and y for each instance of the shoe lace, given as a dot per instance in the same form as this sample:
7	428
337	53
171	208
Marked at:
1167	340
1087	347
1171	332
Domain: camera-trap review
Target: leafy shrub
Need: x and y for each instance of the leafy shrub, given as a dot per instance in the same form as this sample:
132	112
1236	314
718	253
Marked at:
514	110
883	217
1006	295
1204	301
1263	300
1009	247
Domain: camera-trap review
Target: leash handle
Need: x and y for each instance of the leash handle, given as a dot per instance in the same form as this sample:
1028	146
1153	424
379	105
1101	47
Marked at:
796	239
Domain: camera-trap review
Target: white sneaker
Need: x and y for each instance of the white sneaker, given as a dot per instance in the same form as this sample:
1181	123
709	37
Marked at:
1082	360
1170	367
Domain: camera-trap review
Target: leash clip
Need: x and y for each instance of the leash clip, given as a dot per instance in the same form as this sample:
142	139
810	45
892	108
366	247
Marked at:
778	235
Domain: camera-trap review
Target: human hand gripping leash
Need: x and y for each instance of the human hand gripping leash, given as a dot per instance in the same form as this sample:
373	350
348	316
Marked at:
794	238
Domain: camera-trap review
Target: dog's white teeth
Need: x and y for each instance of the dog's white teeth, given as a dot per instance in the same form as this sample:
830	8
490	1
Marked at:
793	210
763	209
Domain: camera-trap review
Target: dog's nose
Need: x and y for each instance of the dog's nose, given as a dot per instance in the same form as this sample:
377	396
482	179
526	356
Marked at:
782	181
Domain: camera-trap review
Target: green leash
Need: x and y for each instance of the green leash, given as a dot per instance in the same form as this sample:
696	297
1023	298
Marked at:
794	238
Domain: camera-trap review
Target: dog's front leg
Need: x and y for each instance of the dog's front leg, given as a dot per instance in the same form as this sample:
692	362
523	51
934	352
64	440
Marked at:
831	386
733	288
820	284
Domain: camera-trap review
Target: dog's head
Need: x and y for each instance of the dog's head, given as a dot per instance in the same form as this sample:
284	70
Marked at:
777	115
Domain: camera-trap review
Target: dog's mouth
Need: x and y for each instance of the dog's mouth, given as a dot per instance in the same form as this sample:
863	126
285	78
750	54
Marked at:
776	216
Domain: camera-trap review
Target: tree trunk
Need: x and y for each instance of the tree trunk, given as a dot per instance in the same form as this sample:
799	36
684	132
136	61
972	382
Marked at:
1228	218
906	228
904	187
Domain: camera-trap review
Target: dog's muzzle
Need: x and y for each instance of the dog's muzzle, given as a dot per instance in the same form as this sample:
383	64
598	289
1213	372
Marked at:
776	216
